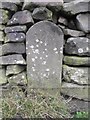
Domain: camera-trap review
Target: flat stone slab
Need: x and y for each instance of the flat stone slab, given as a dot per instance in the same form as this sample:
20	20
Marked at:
82	22
19	79
42	13
79	46
4	16
18	28
14	69
44	44
75	91
74	33
9	6
77	6
15	37
21	17
76	61
2	38
12	59
3	78
78	75
10	48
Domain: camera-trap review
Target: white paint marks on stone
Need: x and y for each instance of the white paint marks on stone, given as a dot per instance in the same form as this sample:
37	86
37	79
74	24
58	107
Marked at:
47	70
87	48
44	75
33	59
53	72
41	42
87	40
37	51
15	19
33	69
36	57
43	52
20	62
17	39
45	49
46	56
32	46
44	62
55	49
56	52
21	36
37	40
45	44
80	50
37	45
40	58
23	76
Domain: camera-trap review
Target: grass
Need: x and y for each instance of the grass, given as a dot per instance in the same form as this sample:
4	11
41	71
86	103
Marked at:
35	105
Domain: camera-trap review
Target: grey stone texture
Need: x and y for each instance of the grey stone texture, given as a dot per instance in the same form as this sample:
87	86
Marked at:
19	79
21	17
83	22
8	6
75	91
78	46
17	28
44	44
78	75
4	16
77	61
42	13
12	59
15	37
77	6
3	79
12	48
14	69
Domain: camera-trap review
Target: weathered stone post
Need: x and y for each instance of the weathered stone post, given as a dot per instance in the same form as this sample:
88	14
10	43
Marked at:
44	44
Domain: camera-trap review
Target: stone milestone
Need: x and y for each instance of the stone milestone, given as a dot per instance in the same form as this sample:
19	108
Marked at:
44	44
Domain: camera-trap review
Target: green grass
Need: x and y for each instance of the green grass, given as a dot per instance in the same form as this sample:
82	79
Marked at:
35	105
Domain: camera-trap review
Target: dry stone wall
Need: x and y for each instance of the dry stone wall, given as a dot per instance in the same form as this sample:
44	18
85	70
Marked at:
70	16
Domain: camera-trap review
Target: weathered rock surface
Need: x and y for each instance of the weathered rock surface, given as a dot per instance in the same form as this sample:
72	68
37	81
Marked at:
15	37
77	61
83	22
21	17
88	35
12	59
77	6
3	78
74	33
76	91
76	105
44	55
18	28
10	48
9	6
2	27
78	46
4	16
77	75
42	13
14	69
55	6
63	21
2	38
67	1
32	5
19	79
